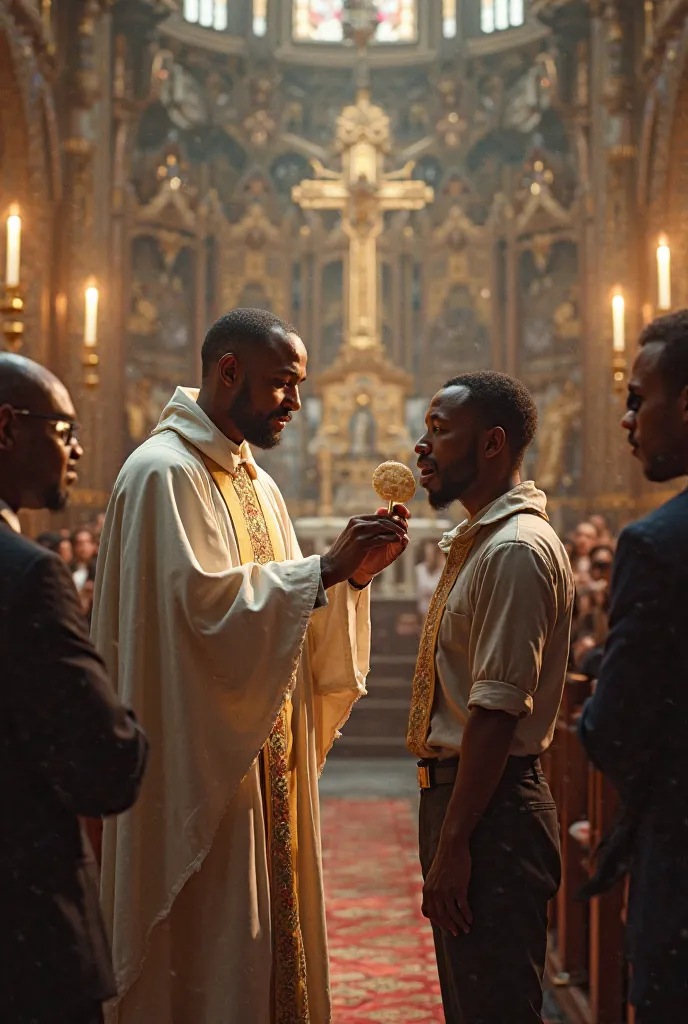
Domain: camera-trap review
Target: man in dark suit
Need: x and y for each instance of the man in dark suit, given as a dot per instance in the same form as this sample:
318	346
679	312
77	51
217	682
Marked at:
67	747
635	727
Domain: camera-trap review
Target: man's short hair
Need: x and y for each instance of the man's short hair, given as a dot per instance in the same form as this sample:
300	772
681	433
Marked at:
599	549
672	332
502	401
51	540
238	329
82	529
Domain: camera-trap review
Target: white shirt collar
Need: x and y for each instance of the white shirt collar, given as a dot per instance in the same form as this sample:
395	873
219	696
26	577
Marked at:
183	415
10	517
525	497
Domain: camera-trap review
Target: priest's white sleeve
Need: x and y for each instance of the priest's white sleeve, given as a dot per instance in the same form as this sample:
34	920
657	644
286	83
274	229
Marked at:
337	651
338	660
203	648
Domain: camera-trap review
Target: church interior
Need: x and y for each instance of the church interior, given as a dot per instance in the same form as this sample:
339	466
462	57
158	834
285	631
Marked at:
423	188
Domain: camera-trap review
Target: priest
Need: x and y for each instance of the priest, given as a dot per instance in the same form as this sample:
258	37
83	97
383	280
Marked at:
242	659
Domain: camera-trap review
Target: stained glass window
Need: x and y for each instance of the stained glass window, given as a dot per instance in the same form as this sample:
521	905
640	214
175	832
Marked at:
320	21
207	13
498	15
260	17
449	19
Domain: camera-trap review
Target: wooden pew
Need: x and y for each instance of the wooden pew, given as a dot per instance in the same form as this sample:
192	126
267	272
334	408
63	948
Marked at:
607	963
585	963
573	807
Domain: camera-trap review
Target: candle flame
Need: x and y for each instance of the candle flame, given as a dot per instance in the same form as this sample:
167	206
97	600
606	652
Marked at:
619	321
13	259
91	296
663	274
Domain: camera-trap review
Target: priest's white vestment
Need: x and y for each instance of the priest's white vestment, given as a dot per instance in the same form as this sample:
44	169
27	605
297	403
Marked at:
212	884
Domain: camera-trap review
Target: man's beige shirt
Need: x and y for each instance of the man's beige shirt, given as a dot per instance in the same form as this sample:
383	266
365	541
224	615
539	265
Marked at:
504	639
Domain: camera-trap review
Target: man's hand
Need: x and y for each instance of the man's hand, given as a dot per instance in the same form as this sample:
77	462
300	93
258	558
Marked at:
445	893
363	536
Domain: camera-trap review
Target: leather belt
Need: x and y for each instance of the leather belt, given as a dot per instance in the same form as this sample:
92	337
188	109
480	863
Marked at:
442	772
437	773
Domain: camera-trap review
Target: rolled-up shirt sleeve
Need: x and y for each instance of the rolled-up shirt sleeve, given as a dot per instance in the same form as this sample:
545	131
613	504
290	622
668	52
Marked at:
514	606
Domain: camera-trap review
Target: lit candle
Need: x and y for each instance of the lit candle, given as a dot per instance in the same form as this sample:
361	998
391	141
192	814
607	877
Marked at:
13	248
619	322
663	275
91	316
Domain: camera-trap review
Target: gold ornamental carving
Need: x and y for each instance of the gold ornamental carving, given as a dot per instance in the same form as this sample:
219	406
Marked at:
250	250
363	394
466	249
363	421
363	123
559	416
362	192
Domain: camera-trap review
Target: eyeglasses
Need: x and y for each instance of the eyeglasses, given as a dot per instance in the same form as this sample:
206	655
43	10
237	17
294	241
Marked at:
601	566
65	428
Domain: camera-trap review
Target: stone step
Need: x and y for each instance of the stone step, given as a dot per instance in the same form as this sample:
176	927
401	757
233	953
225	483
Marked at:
372	704
378	723
388	681
379	716
389	689
368	746
400	662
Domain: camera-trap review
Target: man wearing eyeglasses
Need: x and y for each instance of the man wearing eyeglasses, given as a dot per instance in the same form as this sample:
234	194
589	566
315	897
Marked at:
67	747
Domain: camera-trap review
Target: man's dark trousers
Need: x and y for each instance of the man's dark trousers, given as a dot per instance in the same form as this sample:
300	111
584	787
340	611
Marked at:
494	974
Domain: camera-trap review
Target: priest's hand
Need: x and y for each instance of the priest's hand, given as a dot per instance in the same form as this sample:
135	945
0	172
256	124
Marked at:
380	558
382	535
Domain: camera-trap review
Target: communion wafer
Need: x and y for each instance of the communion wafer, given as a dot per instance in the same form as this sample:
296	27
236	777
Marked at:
393	481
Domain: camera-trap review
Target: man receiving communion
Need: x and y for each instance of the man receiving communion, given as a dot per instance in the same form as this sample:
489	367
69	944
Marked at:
242	659
488	684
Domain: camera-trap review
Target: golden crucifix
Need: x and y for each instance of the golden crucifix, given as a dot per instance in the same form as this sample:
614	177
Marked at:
362	192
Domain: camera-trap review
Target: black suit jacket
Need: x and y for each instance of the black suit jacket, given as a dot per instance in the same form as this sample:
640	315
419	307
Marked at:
67	748
635	730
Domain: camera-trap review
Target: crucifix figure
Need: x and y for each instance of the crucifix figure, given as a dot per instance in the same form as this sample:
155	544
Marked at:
362	192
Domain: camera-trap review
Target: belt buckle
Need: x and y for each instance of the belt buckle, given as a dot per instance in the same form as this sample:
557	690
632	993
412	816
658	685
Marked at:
424	781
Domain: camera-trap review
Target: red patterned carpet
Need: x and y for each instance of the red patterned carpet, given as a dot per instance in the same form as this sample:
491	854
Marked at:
381	951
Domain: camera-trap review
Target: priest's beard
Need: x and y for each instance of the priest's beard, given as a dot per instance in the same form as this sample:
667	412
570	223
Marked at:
455	480
257	428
